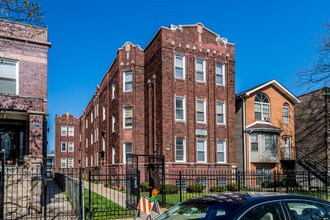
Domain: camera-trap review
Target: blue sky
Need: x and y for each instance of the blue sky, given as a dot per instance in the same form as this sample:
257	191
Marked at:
274	40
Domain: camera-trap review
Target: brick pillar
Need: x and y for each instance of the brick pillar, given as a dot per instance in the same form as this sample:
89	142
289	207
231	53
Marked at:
36	134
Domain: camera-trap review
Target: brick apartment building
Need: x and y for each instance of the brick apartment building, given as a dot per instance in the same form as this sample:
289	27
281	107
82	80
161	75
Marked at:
174	98
23	91
67	142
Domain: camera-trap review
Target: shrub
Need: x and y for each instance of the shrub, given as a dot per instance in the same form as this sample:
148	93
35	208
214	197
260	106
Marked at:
170	189
231	187
144	187
195	188
217	189
271	184
106	185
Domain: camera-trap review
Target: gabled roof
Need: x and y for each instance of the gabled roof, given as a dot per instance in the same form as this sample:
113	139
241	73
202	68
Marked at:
274	83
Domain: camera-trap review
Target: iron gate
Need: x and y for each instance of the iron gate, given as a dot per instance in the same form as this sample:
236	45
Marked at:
149	168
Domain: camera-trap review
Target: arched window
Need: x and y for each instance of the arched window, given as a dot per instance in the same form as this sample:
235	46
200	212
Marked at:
261	107
286	114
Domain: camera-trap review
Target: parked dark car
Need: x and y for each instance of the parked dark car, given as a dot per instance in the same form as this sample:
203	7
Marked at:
250	206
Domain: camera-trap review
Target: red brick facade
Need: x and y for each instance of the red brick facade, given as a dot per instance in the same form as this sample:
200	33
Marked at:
23	96
152	99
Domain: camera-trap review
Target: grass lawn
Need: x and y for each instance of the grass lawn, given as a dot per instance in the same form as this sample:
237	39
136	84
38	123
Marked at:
103	208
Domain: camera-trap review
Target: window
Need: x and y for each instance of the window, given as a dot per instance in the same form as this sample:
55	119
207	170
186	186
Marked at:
220	73
113	90
201	181
221	113
200	70
179	64
128	117
263	174
286	113
86	161
221	152
201	151
63	162
183	183
63	131
86	142
8	77
70	146
70	163
270	142
270	210
254	142
96	132
96	110
103	113
200	110
92	162
307	210
63	146
127	81
127	150
113	154
261	107
71	130
103	143
180	150
287	147
92	138
180	108
221	181
113	123
86	120
92	117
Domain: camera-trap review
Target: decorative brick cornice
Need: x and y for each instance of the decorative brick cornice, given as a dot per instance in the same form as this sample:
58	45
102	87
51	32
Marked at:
8	102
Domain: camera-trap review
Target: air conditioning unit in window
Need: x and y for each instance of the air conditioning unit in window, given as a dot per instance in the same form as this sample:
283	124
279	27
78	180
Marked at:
267	119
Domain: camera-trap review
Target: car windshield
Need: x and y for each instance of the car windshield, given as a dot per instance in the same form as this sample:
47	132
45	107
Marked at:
200	210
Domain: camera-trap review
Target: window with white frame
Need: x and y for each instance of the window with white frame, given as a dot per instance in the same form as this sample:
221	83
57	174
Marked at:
70	147
183	183
113	90
286	113
128	149
92	161
87	142
86	120
103	113
180	150
201	181
70	162
220	73
128	83
271	141
63	162
221	151
63	130
113	123
262	107
180	113
92	117
201	150
63	146
254	142
103	143
200	70
221	181
92	138
128	117
200	110
179	63
9	77
96	110
86	161
113	154
221	113
71	130
96	135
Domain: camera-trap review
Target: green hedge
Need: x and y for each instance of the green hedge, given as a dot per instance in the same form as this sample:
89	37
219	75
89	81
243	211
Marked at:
144	187
171	189
217	189
231	187
195	188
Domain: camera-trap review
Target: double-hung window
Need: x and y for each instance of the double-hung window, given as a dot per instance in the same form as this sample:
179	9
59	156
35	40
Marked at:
113	154
200	70
221	152
221	119
201	151
128	81
63	130
63	162
8	77
220	73
128	149
103	113
286	113
254	142
201	110
70	146
179	108
113	123
180	150
179	63
70	162
113	90
63	146
128	117
262	107
71	130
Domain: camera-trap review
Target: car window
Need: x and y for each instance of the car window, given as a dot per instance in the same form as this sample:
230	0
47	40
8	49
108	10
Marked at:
265	211
307	211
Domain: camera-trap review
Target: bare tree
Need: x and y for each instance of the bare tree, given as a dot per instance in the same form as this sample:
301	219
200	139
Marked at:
318	75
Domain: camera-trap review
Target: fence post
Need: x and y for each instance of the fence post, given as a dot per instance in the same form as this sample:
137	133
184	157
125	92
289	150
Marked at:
275	183
44	182
180	179
89	194
238	180
2	184
80	195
